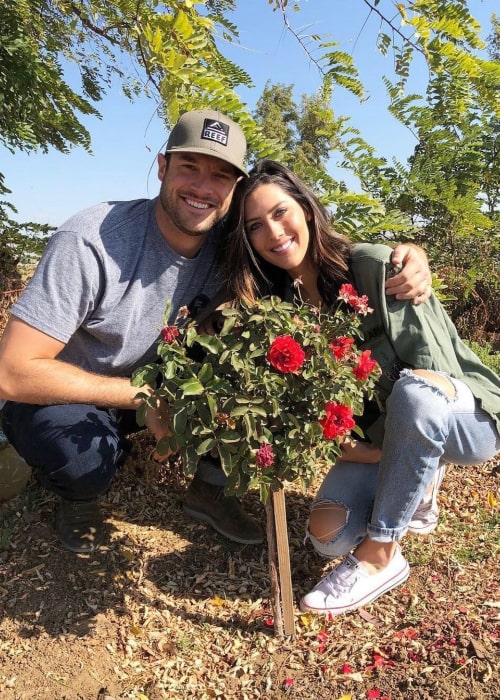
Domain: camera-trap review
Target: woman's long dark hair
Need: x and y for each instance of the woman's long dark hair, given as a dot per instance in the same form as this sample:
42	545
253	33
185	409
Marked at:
247	275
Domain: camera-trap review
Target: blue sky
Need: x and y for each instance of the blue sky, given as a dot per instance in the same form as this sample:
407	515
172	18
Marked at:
47	188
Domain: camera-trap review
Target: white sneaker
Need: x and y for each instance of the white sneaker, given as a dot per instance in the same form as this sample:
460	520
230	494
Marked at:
350	585
425	518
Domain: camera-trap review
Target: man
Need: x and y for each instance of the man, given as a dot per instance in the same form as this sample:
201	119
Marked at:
93	311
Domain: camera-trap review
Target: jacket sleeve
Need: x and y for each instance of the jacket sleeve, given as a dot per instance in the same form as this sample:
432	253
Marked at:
420	336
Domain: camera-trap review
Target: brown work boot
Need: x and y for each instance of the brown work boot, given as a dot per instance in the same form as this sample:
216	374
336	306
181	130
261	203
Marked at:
207	503
79	525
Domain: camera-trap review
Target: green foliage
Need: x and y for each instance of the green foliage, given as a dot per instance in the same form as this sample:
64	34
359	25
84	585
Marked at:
277	113
179	52
341	70
21	243
451	186
446	36
494	39
447	194
475	309
37	105
226	396
310	134
486	354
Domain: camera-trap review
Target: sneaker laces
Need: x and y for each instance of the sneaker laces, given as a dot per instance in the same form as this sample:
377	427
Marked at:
343	577
219	494
81	513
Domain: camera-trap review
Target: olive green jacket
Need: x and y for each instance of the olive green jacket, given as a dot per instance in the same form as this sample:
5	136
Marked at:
400	334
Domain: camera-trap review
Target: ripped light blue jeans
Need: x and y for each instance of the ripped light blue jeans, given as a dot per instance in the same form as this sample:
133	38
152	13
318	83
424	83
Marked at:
424	426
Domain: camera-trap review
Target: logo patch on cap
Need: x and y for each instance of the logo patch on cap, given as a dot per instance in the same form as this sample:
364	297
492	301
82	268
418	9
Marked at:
214	130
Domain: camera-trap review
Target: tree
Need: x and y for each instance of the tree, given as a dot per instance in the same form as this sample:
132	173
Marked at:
173	48
309	135
38	106
451	189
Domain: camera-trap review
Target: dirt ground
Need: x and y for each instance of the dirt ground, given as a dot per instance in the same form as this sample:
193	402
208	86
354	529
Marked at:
169	609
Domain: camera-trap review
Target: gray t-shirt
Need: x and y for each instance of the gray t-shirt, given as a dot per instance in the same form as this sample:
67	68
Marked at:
102	284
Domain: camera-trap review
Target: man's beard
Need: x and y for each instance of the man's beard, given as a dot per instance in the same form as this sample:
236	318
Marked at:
172	212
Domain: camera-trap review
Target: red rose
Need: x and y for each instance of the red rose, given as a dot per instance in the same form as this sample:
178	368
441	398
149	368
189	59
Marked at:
169	334
348	293
359	303
338	420
265	455
341	346
285	354
365	366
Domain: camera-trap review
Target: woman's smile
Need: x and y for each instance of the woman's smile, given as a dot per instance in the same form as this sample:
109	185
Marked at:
283	247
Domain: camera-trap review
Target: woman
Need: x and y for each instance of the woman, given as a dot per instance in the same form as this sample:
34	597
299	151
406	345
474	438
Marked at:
439	402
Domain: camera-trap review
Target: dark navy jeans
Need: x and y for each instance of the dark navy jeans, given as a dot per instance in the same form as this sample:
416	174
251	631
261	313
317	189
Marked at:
76	449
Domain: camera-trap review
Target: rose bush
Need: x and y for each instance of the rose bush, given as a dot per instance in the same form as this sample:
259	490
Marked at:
272	394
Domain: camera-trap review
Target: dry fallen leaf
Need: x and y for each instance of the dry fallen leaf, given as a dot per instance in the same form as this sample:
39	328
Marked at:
368	617
218	601
479	649
492	501
306	620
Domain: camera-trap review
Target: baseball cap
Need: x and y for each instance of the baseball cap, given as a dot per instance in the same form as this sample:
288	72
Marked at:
212	133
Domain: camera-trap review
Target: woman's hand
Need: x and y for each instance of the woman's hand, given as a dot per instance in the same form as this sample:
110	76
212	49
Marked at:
357	451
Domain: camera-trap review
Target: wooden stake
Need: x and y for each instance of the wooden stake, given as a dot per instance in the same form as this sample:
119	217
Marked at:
274	568
279	565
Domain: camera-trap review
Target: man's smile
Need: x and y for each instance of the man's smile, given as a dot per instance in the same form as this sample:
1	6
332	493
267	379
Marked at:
196	203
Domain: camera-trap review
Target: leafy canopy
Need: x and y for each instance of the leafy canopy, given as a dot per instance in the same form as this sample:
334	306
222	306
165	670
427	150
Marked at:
174	52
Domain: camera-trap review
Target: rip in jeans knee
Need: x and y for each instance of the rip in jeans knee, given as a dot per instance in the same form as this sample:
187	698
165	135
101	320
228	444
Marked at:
327	520
437	381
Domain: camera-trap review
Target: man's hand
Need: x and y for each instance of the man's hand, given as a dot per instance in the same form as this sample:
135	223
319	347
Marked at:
158	422
414	281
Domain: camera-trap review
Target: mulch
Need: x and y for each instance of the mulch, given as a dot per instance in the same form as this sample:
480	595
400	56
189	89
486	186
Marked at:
169	609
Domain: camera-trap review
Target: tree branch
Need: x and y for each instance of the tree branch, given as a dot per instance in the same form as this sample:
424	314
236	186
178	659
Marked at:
282	6
397	31
84	19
